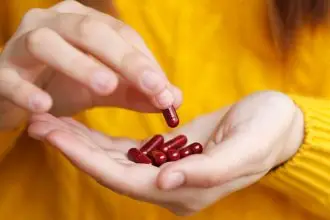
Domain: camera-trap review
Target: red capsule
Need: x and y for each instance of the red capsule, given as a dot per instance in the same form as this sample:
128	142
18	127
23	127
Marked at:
175	143
185	152
171	117
137	156
196	148
155	142
173	155
158	157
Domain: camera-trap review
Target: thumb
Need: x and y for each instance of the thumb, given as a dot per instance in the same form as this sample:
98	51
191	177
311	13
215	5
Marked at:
230	159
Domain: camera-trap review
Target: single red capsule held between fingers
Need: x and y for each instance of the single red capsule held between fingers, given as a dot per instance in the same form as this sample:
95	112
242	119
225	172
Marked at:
158	157
171	117
155	142
185	152
196	148
137	156
173	155
175	143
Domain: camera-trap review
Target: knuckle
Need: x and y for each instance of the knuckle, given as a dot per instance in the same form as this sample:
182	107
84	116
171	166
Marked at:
69	5
36	37
90	27
33	14
133	61
128	33
277	99
120	27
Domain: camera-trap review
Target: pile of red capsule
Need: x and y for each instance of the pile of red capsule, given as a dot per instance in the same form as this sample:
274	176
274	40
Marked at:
157	152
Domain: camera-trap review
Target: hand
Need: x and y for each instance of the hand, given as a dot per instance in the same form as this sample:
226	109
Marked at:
242	143
255	135
70	57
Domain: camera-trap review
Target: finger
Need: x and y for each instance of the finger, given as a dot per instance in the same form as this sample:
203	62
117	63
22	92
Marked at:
230	159
42	124
81	154
51	49
46	117
40	130
178	96
23	93
127	179
74	123
103	42
131	37
127	33
124	31
127	97
109	168
100	164
70	6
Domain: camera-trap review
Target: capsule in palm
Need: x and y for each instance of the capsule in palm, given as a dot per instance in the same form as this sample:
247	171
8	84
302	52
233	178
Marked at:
155	142
175	143
137	156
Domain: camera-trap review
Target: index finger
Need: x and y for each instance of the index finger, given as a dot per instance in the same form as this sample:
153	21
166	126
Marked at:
116	24
100	36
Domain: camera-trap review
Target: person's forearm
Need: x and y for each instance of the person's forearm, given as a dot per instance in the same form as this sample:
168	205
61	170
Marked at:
305	177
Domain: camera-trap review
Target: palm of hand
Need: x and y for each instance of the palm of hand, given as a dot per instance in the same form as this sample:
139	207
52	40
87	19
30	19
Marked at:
241	146
96	153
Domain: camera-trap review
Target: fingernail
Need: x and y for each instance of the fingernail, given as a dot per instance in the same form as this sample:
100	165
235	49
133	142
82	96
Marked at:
165	99
173	181
101	82
151	81
38	102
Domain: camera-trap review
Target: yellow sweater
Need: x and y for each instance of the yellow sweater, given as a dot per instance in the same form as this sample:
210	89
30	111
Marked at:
216	51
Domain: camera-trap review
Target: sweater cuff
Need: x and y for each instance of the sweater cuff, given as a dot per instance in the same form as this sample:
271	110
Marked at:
306	176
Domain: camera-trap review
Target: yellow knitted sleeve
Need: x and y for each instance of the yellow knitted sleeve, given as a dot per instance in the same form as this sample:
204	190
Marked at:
306	177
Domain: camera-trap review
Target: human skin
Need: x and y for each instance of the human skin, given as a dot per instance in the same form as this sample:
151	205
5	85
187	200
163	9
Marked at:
68	45
243	142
